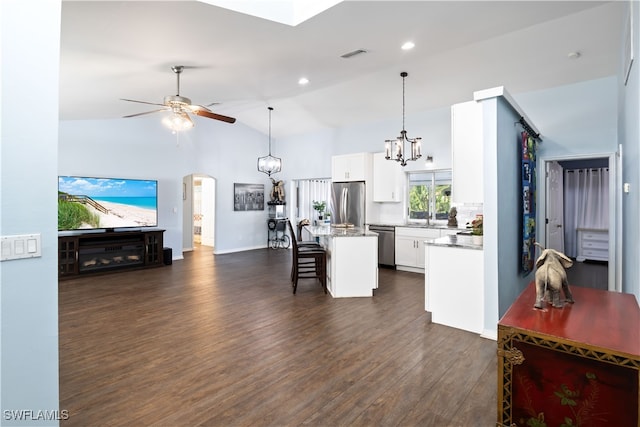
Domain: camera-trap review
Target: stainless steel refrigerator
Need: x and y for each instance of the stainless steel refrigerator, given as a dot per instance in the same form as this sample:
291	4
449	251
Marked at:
348	203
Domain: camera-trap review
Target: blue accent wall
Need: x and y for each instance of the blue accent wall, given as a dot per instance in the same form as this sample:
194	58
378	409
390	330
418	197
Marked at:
29	63
628	125
509	194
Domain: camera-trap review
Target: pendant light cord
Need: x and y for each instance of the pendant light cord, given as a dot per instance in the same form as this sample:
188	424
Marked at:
270	110
403	77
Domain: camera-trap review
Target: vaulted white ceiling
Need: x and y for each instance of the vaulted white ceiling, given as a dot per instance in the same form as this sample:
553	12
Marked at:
125	49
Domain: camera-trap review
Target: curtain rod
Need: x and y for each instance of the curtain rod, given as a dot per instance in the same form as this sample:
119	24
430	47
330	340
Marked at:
529	129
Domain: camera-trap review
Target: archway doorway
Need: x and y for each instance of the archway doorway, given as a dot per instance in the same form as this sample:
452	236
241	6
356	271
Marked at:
199	200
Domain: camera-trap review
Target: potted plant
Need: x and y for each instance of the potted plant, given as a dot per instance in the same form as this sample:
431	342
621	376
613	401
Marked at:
476	230
319	207
327	217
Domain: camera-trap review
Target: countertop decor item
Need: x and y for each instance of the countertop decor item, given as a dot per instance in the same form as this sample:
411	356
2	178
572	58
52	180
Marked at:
399	154
551	277
453	221
477	229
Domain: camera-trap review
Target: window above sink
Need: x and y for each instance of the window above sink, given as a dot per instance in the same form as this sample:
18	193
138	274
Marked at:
429	196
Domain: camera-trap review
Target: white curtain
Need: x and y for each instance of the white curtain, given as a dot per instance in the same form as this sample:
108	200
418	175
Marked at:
586	193
309	190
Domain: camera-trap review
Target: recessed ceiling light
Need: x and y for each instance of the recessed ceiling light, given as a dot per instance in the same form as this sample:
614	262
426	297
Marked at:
573	55
303	81
408	46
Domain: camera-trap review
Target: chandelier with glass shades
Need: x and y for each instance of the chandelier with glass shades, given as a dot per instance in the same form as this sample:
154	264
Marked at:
394	148
269	164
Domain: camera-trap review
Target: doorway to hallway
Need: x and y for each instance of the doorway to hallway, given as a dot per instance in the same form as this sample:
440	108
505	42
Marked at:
199	211
578	203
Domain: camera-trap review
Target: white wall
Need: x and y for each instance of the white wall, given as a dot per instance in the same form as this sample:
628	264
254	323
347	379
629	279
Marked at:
143	148
628	126
137	148
580	118
229	153
30	57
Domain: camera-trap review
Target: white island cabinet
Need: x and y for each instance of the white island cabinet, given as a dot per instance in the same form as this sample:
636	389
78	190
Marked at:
454	282
352	260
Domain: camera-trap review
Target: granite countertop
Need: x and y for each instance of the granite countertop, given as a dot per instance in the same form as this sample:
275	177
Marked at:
326	230
453	241
416	225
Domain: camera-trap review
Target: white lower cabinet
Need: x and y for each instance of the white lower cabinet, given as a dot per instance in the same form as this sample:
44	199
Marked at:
593	244
454	295
410	246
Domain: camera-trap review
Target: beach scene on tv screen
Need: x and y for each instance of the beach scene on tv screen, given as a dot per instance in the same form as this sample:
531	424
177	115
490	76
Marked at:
89	203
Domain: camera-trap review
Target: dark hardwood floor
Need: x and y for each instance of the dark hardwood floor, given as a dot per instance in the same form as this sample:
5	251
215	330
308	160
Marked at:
589	274
222	341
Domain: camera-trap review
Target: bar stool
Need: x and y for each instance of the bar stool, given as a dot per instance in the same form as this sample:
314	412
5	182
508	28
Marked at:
299	237
309	262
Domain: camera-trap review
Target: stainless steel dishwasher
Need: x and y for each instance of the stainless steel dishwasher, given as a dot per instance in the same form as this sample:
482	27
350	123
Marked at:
386	244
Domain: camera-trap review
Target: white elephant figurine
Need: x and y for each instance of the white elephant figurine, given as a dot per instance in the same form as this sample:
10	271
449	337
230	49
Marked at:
551	276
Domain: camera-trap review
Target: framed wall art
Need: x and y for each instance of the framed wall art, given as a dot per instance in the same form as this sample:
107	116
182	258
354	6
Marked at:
248	197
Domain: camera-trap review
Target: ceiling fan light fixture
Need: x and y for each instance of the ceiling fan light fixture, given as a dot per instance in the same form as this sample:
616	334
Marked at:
178	121
269	164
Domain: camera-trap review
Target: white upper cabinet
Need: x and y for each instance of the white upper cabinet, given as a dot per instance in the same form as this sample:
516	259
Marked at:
467	153
387	179
351	167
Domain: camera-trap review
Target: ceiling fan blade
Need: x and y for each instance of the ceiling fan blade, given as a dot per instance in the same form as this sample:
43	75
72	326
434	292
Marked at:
146	112
214	116
141	102
193	108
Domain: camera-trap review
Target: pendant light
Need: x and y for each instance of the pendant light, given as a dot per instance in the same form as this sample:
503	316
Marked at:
394	148
269	164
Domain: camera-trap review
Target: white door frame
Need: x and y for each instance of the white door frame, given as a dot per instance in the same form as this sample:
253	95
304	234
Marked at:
554	223
187	220
615	225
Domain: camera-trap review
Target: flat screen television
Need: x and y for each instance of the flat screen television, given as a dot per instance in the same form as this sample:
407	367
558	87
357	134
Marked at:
86	203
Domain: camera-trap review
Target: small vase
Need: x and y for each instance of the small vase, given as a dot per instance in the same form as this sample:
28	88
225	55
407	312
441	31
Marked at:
476	240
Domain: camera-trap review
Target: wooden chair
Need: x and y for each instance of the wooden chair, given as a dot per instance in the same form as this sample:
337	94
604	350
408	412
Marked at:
309	262
299	237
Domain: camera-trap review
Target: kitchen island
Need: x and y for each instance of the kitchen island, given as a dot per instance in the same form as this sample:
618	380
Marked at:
352	259
453	280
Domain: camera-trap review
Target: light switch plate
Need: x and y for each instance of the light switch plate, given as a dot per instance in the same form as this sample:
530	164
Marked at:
20	246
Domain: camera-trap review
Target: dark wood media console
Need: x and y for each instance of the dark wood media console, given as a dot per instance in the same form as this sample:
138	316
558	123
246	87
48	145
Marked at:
94	253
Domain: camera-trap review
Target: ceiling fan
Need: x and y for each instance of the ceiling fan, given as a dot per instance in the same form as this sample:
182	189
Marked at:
180	106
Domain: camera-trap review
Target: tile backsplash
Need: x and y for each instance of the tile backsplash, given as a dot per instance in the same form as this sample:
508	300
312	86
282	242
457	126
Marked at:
467	212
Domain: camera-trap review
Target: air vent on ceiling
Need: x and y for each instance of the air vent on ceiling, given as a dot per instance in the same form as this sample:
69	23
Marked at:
353	53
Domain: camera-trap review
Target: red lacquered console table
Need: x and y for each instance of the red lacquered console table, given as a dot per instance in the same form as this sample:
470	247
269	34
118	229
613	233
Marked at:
576	365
